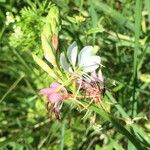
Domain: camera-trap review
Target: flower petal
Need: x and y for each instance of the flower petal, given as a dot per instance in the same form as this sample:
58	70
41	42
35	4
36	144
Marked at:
86	50
64	63
84	53
90	64
100	76
55	98
45	91
54	85
72	53
58	88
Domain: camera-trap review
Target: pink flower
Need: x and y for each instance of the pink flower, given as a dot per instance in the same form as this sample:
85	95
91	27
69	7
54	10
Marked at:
56	93
100	80
93	85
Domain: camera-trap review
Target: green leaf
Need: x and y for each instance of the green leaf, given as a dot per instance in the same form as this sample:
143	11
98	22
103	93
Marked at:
137	49
95	30
147	4
120	127
49	53
94	17
44	66
52	23
116	16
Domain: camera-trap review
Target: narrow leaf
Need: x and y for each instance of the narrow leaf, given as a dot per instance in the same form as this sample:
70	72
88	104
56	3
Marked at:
44	66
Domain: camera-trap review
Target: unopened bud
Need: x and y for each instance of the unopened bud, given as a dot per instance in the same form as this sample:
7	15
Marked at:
50	34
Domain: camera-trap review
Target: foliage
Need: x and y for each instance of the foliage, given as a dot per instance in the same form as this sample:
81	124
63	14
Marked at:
122	41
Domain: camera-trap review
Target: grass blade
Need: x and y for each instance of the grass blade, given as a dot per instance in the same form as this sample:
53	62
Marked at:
147	4
94	20
116	16
138	17
138	130
62	136
118	126
12	87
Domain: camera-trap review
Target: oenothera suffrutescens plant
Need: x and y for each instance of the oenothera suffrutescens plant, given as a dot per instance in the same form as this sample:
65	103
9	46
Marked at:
82	70
80	67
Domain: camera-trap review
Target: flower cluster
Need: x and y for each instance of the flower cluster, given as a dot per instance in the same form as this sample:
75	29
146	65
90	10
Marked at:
93	86
83	67
56	93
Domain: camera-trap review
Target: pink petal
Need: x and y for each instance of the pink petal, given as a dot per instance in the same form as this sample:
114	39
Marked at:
94	75
45	91
55	98
54	85
55	93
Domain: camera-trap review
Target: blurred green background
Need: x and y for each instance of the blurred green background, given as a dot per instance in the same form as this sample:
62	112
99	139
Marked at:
120	29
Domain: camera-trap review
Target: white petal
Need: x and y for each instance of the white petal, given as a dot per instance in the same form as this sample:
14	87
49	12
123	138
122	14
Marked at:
90	63
84	53
100	76
87	49
90	69
72	53
64	63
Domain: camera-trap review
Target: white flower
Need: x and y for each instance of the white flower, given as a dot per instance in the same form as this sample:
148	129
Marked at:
9	18
87	61
17	31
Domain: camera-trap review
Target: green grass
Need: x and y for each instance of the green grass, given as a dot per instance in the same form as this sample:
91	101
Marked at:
138	16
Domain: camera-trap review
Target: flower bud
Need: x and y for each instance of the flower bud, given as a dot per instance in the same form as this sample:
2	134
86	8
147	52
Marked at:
50	34
52	26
